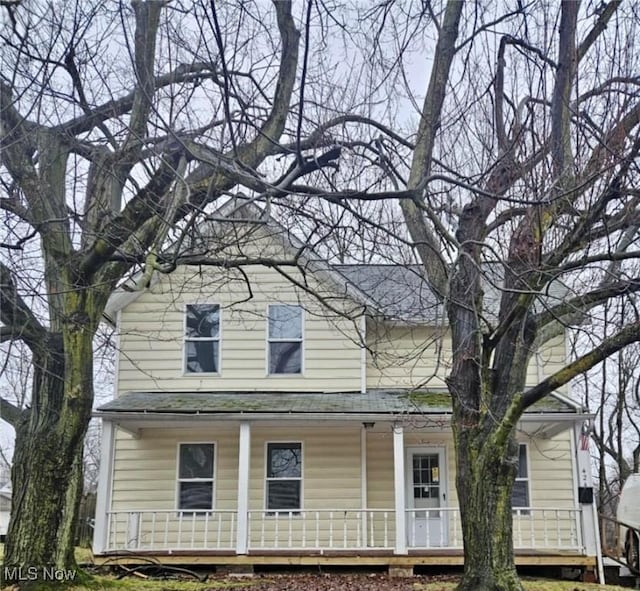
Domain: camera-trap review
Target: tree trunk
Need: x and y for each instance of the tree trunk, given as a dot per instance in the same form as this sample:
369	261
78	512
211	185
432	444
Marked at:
47	467
484	481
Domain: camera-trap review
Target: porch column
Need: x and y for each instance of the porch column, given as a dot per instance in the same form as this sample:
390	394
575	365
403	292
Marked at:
244	453
399	487
364	503
103	494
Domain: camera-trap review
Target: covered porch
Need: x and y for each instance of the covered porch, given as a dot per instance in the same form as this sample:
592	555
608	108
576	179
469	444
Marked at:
376	480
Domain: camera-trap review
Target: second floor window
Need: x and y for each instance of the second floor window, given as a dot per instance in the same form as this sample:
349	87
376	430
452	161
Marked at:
284	335
202	338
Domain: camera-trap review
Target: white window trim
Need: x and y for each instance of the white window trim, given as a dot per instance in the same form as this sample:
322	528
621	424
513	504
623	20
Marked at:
190	374
213	479
526	479
273	512
302	340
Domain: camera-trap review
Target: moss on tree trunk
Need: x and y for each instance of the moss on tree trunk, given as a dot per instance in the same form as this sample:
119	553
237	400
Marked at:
47	466
484	481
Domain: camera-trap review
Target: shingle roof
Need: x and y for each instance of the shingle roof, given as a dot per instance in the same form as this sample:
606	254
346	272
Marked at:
392	402
400	292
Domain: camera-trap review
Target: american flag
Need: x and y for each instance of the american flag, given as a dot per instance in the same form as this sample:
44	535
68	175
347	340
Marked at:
585	436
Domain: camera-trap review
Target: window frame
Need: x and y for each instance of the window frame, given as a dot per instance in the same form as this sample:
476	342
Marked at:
179	480
267	479
524	509
186	339
269	340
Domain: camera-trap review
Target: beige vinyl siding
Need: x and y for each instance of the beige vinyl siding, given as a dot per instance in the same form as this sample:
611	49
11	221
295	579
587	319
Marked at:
550	479
151	335
412	357
551	357
330	465
149	463
145	479
551	487
550	472
407	357
330	481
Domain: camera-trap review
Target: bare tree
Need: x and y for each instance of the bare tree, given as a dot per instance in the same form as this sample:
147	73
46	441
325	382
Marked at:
514	179
104	148
519	198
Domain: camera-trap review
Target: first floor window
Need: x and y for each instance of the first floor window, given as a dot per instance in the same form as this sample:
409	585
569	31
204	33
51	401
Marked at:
284	333
195	476
520	494
202	338
284	476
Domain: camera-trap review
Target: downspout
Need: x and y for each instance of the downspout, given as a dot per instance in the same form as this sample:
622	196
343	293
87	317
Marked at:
599	559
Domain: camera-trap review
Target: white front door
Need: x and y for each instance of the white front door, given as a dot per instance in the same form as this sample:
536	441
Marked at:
426	495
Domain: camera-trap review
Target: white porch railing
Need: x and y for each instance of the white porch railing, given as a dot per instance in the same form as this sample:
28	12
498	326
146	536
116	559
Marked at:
560	529
533	528
171	530
328	529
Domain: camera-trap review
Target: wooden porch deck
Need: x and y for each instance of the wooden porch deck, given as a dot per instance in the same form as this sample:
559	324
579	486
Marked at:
431	557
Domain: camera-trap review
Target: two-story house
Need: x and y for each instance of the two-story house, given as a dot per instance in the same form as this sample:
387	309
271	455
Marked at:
298	414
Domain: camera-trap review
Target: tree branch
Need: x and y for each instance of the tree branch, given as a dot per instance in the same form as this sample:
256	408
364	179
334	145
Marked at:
609	346
16	315
9	412
584	302
427	244
118	107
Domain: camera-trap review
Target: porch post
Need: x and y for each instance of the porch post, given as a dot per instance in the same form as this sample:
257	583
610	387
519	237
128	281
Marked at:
399	487
244	453
364	503
103	494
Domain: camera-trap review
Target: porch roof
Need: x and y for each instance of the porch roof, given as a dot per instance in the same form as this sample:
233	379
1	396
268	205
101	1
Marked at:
371	402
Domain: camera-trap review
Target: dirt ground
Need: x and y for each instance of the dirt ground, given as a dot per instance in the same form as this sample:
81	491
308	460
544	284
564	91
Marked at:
341	582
